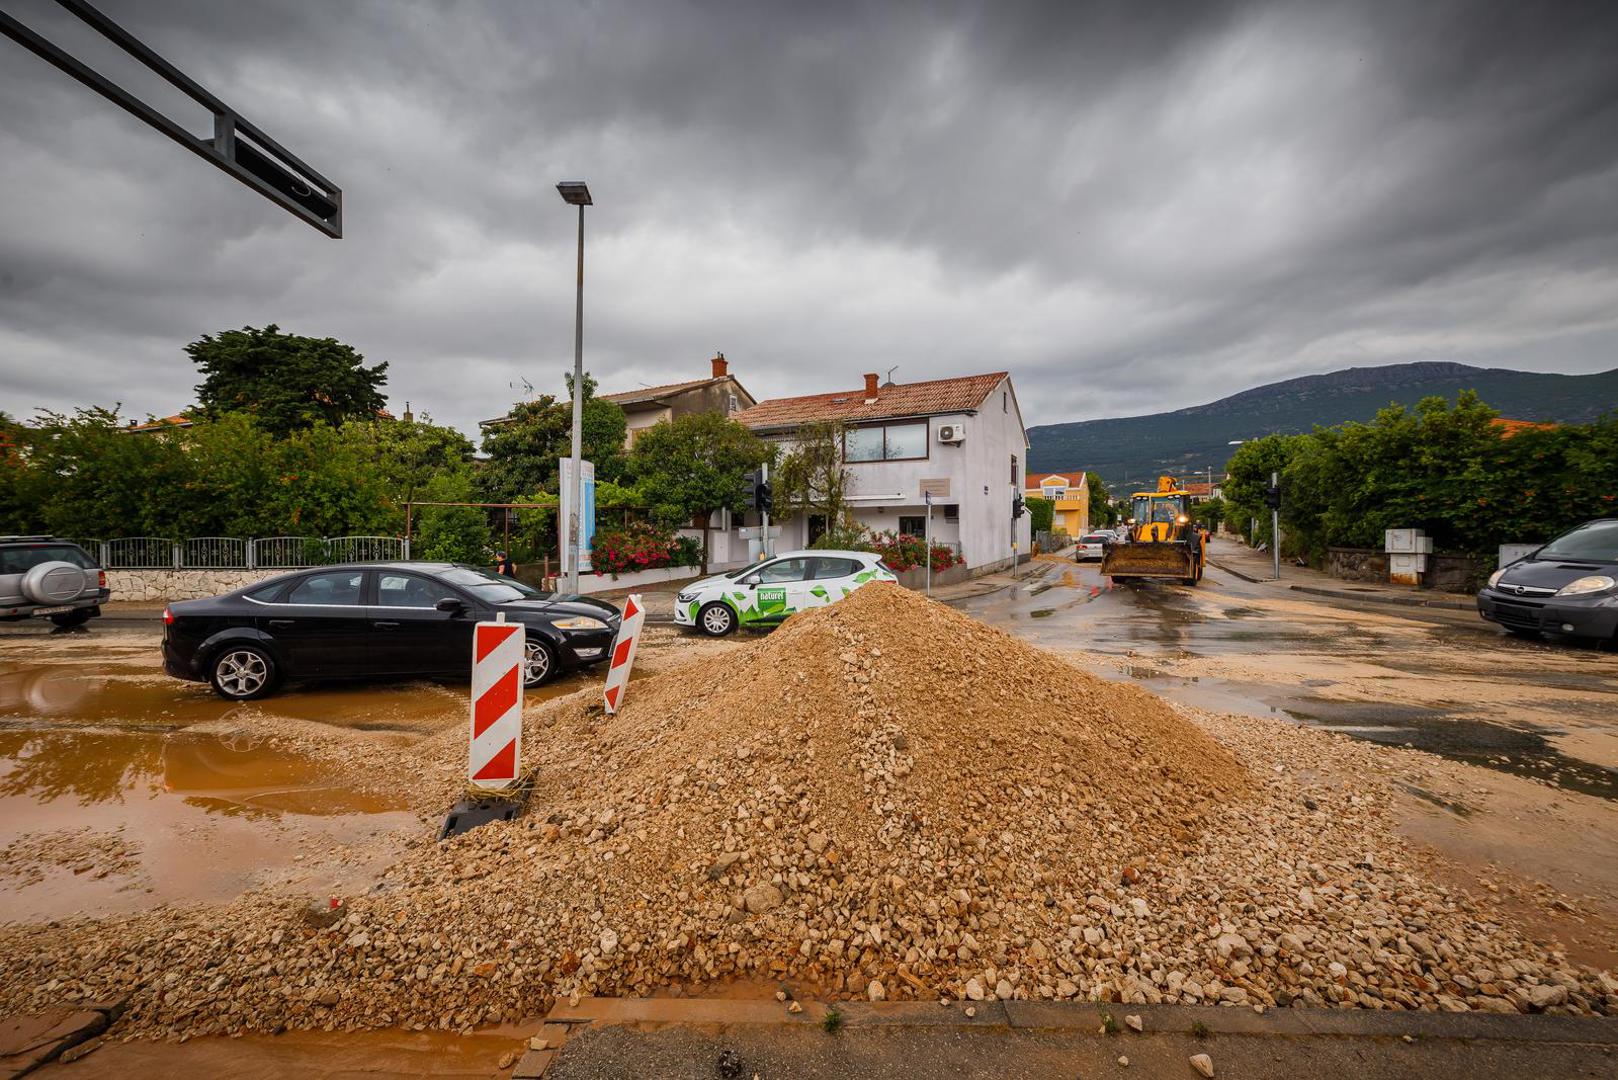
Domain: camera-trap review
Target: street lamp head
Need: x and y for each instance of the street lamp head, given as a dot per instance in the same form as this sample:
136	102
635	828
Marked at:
575	192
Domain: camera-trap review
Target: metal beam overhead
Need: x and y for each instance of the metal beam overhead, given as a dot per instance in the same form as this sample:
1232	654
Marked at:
237	147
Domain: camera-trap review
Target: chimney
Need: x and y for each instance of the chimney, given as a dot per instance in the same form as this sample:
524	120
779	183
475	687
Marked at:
721	366
870	387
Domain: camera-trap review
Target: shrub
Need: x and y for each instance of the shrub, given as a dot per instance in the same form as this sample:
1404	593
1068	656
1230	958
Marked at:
687	551
901	552
640	545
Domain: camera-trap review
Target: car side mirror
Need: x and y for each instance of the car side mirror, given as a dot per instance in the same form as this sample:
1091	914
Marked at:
452	605
750	580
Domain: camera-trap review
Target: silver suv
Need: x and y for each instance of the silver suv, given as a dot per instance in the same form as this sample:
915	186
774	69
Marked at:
43	577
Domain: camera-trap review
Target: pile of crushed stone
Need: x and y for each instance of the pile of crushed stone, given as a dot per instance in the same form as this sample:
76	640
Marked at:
884	798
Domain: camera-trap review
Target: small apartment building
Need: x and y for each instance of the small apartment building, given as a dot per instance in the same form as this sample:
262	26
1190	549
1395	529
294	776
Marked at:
961	439
1070	492
719	393
646	406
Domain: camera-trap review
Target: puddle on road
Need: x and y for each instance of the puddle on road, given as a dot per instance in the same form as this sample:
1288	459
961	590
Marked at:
102	820
89	767
151	699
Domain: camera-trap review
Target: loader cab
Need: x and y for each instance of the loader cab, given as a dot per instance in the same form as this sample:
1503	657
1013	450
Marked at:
1153	509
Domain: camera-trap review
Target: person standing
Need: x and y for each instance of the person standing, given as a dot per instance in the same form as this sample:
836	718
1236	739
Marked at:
503	565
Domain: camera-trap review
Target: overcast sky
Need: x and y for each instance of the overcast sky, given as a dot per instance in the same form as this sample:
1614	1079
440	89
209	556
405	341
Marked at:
1130	206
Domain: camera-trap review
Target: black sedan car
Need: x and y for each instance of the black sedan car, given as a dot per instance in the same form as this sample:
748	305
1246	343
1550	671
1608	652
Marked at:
1569	586
374	620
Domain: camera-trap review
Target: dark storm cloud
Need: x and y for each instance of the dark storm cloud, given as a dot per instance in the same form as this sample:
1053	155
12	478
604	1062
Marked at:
1129	206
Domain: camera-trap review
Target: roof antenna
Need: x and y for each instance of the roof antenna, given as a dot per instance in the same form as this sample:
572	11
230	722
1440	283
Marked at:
891	370
527	387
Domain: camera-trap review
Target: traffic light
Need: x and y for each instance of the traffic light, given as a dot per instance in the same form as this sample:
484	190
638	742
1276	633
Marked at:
763	497
1017	506
1272	497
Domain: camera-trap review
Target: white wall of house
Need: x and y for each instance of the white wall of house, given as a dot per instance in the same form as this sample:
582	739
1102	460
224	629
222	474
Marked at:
981	482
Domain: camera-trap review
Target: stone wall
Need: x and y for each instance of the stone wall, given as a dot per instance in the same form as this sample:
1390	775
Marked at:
1357	564
165	585
1445	573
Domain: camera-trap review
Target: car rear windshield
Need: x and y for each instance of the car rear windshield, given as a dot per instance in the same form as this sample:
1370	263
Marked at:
1595	542
20	560
1097	538
490	588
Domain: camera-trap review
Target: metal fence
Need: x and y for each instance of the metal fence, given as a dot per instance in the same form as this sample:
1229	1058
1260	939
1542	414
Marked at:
241	553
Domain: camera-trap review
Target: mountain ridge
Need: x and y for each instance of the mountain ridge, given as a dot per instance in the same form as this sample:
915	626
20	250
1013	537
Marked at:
1135	449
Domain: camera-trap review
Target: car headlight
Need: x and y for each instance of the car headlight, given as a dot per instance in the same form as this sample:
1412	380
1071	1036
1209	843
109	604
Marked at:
1494	578
579	622
685	597
1593	583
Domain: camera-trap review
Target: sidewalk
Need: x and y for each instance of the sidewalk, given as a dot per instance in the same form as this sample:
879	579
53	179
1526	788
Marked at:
1258	568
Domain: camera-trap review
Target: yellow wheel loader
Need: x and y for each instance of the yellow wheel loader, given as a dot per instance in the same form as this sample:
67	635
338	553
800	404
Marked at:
1163	543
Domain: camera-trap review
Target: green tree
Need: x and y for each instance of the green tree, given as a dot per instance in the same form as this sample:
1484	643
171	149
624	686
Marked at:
1103	514
408	454
812	480
524	451
1248	476
1209	513
451	533
694	466
1041	513
285	381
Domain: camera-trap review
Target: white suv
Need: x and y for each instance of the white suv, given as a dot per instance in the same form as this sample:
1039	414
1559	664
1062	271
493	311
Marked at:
43	577
764	593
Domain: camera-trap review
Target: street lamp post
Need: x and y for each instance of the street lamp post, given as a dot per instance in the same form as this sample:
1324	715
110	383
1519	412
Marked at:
576	193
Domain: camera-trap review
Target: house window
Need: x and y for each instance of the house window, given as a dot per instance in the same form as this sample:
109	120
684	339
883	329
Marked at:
1005	398
915	526
1055	491
952	512
1013	468
886	442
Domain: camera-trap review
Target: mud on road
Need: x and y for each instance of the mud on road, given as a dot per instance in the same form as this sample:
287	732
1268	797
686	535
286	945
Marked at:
122	789
1517	789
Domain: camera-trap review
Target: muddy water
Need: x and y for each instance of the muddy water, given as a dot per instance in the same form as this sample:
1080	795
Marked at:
1440	681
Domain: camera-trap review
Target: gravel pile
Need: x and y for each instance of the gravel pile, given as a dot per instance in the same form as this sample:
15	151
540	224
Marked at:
882	799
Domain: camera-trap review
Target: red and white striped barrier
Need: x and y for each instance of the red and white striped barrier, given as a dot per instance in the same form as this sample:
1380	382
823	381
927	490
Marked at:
496	745
623	653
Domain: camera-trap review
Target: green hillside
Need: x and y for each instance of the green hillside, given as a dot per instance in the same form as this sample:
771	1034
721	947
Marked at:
1126	451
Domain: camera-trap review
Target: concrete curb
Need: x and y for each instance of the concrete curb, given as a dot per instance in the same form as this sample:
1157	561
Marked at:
1077	1016
1379	598
1238	573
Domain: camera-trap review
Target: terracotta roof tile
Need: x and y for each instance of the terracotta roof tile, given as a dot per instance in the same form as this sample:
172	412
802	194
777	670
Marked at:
904	399
1074	478
652	393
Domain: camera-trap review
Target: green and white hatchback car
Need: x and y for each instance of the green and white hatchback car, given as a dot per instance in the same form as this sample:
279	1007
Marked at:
764	593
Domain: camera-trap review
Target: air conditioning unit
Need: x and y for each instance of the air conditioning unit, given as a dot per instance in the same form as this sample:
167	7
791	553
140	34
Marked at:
952	433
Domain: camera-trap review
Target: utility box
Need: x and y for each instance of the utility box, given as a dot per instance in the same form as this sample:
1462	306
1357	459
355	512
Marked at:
1407	542
1407	555
1510	553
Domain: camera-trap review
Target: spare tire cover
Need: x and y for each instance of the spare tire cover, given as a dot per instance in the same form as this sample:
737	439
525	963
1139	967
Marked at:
53	583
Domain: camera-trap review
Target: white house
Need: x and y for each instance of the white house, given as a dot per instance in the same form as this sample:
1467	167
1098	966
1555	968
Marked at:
962	439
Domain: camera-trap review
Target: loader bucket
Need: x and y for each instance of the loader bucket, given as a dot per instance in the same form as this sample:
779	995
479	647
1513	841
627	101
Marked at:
1149	560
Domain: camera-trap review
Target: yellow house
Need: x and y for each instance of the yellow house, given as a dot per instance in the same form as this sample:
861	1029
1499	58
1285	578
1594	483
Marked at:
1070	491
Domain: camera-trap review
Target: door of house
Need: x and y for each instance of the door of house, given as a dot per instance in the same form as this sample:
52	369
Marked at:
817	528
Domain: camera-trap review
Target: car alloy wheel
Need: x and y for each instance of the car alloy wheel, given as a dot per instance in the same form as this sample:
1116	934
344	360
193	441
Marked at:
717	620
241	674
537	664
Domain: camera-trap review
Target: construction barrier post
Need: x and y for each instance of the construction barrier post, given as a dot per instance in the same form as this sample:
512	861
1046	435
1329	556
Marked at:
495	753
623	653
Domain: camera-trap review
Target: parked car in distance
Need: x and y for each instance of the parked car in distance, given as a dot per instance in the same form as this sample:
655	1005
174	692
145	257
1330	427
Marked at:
765	593
1093	545
1569	586
44	577
397	621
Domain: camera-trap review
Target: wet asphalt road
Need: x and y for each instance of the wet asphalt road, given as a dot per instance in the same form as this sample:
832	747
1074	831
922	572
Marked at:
1437	679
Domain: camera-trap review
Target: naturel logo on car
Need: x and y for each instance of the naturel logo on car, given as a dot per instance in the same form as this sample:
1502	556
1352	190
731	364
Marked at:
772	596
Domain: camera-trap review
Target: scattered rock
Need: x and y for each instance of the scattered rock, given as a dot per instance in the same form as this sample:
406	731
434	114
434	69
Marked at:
1132	1022
1203	1064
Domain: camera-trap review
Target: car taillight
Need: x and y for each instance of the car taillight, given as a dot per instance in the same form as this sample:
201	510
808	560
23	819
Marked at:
101	579
168	617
